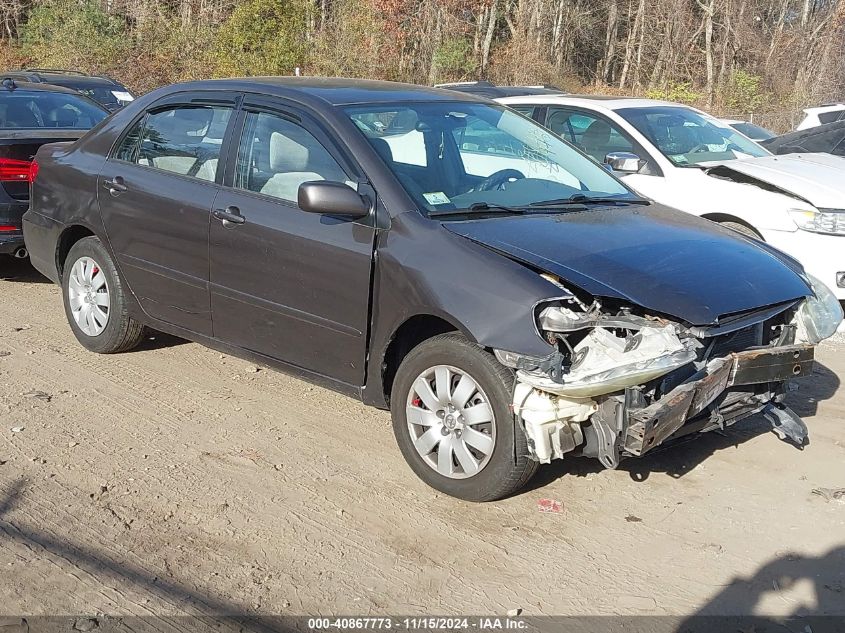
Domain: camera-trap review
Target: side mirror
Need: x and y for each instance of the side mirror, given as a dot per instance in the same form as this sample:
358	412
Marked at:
624	162
331	198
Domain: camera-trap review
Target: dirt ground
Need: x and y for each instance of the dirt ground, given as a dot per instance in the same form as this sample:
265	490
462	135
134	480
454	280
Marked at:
174	479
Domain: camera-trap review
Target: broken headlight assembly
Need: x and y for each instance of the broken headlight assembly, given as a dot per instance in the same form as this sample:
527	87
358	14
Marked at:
608	389
610	359
819	316
599	353
827	221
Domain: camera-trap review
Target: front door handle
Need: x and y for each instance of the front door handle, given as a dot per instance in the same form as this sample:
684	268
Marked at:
115	186
229	216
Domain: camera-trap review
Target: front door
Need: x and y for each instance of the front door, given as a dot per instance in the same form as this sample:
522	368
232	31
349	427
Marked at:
598	136
156	193
288	284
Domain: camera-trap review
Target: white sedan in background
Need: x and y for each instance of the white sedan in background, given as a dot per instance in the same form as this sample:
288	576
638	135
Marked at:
686	159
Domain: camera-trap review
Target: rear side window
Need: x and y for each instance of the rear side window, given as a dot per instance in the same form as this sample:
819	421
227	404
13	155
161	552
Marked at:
277	155
128	148
830	117
185	140
37	109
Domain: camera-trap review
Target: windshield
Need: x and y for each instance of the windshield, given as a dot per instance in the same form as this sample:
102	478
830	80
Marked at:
754	132
111	95
455	155
37	109
687	137
114	96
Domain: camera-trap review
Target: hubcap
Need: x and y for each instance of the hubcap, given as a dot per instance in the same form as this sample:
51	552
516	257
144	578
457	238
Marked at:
88	296
451	422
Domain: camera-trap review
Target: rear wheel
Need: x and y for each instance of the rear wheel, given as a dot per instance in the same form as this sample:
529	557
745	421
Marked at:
95	303
451	416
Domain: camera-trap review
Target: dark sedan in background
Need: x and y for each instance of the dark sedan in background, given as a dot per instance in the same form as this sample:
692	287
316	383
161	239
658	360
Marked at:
509	300
30	116
828	138
108	92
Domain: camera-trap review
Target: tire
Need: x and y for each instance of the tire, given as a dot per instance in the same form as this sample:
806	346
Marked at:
742	228
117	331
446	359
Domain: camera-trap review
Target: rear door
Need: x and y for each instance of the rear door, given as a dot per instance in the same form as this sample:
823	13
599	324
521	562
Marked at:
156	192
291	285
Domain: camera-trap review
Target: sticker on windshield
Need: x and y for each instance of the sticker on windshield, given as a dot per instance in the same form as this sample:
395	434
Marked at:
438	197
121	95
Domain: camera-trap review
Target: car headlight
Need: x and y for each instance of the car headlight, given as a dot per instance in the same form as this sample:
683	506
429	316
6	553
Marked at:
518	361
819	316
563	319
827	221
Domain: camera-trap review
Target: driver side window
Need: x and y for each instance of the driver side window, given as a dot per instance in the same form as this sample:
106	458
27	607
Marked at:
277	155
592	135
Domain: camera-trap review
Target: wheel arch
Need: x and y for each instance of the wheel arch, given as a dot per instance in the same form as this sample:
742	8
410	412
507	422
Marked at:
68	237
727	217
411	332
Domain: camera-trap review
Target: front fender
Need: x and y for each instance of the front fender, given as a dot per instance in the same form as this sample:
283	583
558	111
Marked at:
693	191
423	269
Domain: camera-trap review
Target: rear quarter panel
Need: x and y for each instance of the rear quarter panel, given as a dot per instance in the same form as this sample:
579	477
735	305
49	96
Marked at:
63	195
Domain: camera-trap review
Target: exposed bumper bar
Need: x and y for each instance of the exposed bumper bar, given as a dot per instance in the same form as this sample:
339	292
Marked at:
650	426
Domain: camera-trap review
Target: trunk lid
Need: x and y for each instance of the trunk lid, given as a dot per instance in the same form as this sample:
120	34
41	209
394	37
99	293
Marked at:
22	145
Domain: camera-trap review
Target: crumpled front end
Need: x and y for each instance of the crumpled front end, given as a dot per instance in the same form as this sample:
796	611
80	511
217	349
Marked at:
623	382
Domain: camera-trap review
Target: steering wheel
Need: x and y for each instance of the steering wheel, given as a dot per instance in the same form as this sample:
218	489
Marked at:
701	147
495	180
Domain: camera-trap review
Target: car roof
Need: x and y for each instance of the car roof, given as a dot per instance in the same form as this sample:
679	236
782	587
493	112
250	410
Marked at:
49	75
492	91
828	107
329	90
62	79
606	102
35	87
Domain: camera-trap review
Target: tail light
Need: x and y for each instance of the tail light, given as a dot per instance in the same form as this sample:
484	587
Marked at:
13	170
33	171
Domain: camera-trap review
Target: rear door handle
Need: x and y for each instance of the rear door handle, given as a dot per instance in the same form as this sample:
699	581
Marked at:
229	216
115	185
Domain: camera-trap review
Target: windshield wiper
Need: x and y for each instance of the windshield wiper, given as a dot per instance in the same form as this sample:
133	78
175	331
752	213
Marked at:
581	199
478	207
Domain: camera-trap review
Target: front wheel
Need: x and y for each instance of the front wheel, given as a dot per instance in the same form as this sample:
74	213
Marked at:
451	414
95	303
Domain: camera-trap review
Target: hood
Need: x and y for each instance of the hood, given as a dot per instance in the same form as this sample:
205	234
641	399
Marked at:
823	138
816	178
655	257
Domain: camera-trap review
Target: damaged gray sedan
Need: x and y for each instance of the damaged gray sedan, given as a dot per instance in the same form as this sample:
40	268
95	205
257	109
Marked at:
508	299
